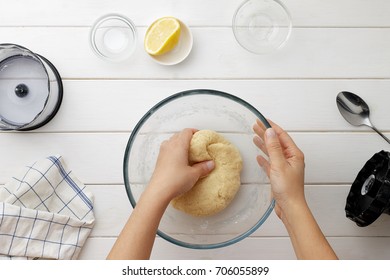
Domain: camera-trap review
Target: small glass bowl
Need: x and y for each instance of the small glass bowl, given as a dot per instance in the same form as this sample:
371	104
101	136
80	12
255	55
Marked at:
113	37
233	118
262	26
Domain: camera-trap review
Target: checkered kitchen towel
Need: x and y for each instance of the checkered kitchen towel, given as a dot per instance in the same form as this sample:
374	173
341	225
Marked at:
45	212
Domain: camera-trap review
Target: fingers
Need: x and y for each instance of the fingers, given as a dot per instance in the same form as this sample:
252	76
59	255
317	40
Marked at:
268	142
291	150
264	164
274	148
284	137
203	169
261	124
276	143
260	144
183	138
259	129
287	143
186	134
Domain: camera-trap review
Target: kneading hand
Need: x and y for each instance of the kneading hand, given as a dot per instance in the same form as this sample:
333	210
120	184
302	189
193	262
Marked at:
173	175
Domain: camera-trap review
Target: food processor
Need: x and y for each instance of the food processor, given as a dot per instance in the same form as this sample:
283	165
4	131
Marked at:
30	89
369	195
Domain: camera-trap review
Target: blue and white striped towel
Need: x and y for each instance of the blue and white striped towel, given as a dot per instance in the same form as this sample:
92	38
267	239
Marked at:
45	212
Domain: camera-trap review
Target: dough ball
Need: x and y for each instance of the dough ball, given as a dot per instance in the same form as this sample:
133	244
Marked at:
214	192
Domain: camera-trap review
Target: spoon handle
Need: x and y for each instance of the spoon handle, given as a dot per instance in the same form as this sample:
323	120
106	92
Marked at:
384	137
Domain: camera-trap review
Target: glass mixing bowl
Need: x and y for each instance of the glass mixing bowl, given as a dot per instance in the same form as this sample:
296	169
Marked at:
262	26
202	109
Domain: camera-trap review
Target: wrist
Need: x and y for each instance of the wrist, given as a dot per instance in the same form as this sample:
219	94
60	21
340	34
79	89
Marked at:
157	194
294	211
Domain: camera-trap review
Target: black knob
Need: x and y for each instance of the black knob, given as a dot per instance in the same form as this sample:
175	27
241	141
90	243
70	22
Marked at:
21	90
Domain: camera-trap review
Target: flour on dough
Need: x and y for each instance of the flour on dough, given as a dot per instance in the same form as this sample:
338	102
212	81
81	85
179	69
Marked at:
214	192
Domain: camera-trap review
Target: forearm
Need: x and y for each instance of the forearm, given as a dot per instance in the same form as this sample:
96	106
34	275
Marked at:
306	236
137	237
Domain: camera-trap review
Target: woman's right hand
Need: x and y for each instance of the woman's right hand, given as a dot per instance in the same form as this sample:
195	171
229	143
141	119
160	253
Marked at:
285	166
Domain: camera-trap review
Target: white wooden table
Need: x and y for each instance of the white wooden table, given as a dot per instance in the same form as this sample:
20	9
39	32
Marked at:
335	45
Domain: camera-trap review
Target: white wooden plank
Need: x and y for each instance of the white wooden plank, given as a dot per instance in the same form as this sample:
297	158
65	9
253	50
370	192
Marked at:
341	156
328	206
247	249
339	13
97	158
265	248
297	105
216	54
112	209
195	12
96	248
94	158
278	248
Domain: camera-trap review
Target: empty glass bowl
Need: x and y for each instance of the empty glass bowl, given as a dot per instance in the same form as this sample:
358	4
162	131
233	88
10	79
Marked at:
113	37
262	26
202	109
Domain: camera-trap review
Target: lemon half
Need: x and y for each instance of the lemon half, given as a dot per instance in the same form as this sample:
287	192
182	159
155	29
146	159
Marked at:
162	36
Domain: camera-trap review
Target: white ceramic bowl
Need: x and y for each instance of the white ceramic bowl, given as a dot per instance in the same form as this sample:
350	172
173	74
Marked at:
180	52
202	109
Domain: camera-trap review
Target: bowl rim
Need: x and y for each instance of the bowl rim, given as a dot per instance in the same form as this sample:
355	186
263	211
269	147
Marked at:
139	125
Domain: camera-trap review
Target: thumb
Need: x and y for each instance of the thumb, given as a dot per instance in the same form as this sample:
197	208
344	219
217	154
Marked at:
203	168
274	148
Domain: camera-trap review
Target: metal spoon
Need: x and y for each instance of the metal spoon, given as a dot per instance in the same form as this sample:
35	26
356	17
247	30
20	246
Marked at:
355	110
